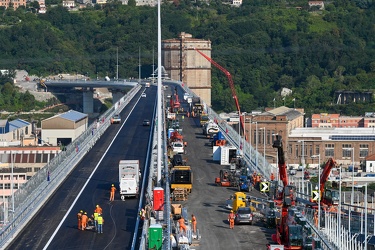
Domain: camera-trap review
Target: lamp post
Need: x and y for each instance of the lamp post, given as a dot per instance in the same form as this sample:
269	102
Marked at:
277	162
12	184
256	143
315	156
303	165
264	146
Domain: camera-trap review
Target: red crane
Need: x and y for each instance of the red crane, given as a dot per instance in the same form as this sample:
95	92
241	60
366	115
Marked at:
288	233
231	84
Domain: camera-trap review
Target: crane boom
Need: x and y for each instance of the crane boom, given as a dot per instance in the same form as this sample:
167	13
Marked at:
325	174
231	84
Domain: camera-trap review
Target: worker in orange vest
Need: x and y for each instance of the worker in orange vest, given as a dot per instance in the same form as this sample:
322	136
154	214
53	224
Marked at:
272	177
194	223
181	221
231	217
79	217
84	220
98	209
113	190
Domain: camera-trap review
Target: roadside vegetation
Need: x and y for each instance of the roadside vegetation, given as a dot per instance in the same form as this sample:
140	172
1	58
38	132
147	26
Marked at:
266	45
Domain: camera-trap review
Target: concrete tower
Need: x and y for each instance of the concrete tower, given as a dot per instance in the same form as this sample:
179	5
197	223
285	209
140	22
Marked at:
185	64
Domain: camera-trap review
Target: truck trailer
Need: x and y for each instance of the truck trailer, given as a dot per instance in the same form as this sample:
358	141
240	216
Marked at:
129	176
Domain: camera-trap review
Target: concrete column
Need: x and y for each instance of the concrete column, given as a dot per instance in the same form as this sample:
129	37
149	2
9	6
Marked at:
116	96
88	101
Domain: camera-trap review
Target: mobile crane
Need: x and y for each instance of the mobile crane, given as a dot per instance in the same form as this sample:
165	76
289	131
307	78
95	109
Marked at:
327	197
231	84
288	233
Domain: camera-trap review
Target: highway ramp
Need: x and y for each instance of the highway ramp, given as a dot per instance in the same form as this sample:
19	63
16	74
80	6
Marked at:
130	143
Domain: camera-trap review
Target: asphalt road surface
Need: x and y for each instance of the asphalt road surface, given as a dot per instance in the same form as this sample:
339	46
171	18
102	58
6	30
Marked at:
74	195
207	201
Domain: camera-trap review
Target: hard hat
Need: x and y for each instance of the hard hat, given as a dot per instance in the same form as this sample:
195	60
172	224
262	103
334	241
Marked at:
97	205
81	211
231	211
85	212
113	185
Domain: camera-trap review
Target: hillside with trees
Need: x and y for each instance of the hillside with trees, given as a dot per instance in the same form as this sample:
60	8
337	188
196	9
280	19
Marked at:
266	45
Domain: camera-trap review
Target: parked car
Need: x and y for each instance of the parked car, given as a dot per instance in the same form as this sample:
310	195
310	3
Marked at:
116	119
143	95
243	215
146	122
178	147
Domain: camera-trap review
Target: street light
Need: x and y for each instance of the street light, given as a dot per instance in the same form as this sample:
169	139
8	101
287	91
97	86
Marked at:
264	146
318	156
256	143
303	165
277	162
352	196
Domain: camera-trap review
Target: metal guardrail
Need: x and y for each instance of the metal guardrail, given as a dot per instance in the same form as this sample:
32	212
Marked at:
31	196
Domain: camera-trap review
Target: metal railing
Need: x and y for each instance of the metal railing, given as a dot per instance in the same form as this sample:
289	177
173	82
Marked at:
31	196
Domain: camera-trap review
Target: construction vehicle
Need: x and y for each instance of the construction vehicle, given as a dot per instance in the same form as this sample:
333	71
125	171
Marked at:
203	119
231	84
181	178
218	139
244	183
210	128
328	197
129	175
288	233
227	178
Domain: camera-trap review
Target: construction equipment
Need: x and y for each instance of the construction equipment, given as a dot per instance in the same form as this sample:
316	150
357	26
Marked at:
231	84
210	128
181	178
328	197
203	119
227	178
288	233
174	102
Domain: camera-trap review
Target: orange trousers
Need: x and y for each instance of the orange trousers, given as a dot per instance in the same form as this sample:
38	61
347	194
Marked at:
194	226
112	196
84	224
231	223
79	224
183	227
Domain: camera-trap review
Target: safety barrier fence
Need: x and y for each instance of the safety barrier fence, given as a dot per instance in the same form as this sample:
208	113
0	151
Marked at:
165	185
29	198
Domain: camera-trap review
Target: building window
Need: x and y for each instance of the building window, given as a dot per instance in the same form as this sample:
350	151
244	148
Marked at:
363	150
297	155
36	169
347	150
29	169
329	150
1	186
317	151
7	186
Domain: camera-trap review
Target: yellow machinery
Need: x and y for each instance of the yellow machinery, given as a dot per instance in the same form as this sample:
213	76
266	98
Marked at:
181	177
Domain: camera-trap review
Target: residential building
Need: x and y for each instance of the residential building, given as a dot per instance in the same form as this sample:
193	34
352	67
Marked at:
16	133
12	3
325	120
319	4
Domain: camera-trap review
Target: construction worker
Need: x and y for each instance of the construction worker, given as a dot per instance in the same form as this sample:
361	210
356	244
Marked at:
181	221
194	223
272	177
316	219
98	209
79	217
95	218
113	190
142	214
100	224
231	217
183	117
84	220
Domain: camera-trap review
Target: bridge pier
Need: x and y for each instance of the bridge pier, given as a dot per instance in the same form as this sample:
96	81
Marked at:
88	100
117	95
